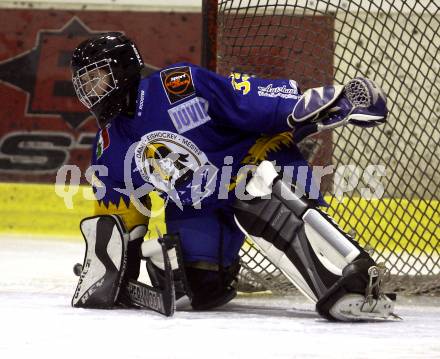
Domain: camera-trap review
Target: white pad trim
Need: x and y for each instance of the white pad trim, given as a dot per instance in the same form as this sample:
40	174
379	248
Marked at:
260	184
306	97
138	232
364	118
115	248
153	250
332	249
283	263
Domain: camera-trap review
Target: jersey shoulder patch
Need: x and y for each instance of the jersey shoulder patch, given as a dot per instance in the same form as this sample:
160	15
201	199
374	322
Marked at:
177	83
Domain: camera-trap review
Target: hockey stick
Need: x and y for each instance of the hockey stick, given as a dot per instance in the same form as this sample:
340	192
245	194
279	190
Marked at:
163	300
144	296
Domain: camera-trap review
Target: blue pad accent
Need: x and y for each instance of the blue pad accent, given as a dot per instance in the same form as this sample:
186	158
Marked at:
314	101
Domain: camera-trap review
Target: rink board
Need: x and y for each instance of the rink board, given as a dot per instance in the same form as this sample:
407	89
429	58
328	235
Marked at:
37	209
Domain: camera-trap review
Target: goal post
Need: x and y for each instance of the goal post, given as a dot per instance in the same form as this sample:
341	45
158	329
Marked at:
317	42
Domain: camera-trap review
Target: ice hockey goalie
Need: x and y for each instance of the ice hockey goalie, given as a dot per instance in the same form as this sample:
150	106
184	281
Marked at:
187	133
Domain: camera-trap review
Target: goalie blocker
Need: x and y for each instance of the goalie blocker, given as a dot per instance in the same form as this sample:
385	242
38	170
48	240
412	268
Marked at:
322	261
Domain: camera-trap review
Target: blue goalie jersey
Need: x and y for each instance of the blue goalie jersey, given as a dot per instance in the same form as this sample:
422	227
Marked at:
194	138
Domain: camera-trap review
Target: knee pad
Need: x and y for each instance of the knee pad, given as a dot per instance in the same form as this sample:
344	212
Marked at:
211	288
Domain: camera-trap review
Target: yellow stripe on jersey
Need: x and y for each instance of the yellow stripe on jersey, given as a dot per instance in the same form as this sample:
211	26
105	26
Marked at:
129	214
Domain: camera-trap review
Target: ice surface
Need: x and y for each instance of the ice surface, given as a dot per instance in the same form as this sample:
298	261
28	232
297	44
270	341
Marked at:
36	321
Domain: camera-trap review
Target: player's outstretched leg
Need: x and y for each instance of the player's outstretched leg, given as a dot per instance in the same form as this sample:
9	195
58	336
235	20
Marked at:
321	260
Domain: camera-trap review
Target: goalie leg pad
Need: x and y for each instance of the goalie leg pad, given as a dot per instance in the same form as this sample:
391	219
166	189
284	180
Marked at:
104	263
321	260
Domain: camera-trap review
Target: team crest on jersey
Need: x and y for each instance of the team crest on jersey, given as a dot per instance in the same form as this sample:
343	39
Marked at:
168	161
103	142
177	83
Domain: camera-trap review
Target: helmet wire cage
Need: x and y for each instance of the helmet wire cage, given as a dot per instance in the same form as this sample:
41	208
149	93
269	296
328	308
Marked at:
94	82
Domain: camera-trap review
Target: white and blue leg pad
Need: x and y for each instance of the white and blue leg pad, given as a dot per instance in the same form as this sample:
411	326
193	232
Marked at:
320	259
104	263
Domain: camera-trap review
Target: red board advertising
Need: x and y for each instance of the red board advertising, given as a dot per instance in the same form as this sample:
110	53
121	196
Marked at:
42	124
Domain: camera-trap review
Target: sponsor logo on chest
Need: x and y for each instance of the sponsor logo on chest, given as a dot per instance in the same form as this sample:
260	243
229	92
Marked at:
280	91
177	83
190	114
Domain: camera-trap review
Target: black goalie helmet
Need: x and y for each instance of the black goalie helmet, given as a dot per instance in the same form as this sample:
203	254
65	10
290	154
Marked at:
104	70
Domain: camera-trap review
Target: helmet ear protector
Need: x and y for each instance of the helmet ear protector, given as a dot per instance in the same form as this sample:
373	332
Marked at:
104	70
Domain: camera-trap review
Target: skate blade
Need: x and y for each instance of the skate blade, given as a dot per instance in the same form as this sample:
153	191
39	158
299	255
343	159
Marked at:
353	307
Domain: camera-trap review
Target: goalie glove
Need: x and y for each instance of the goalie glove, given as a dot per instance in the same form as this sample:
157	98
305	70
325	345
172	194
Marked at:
360	102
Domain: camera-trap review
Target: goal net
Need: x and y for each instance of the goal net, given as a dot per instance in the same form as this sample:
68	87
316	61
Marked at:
395	43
